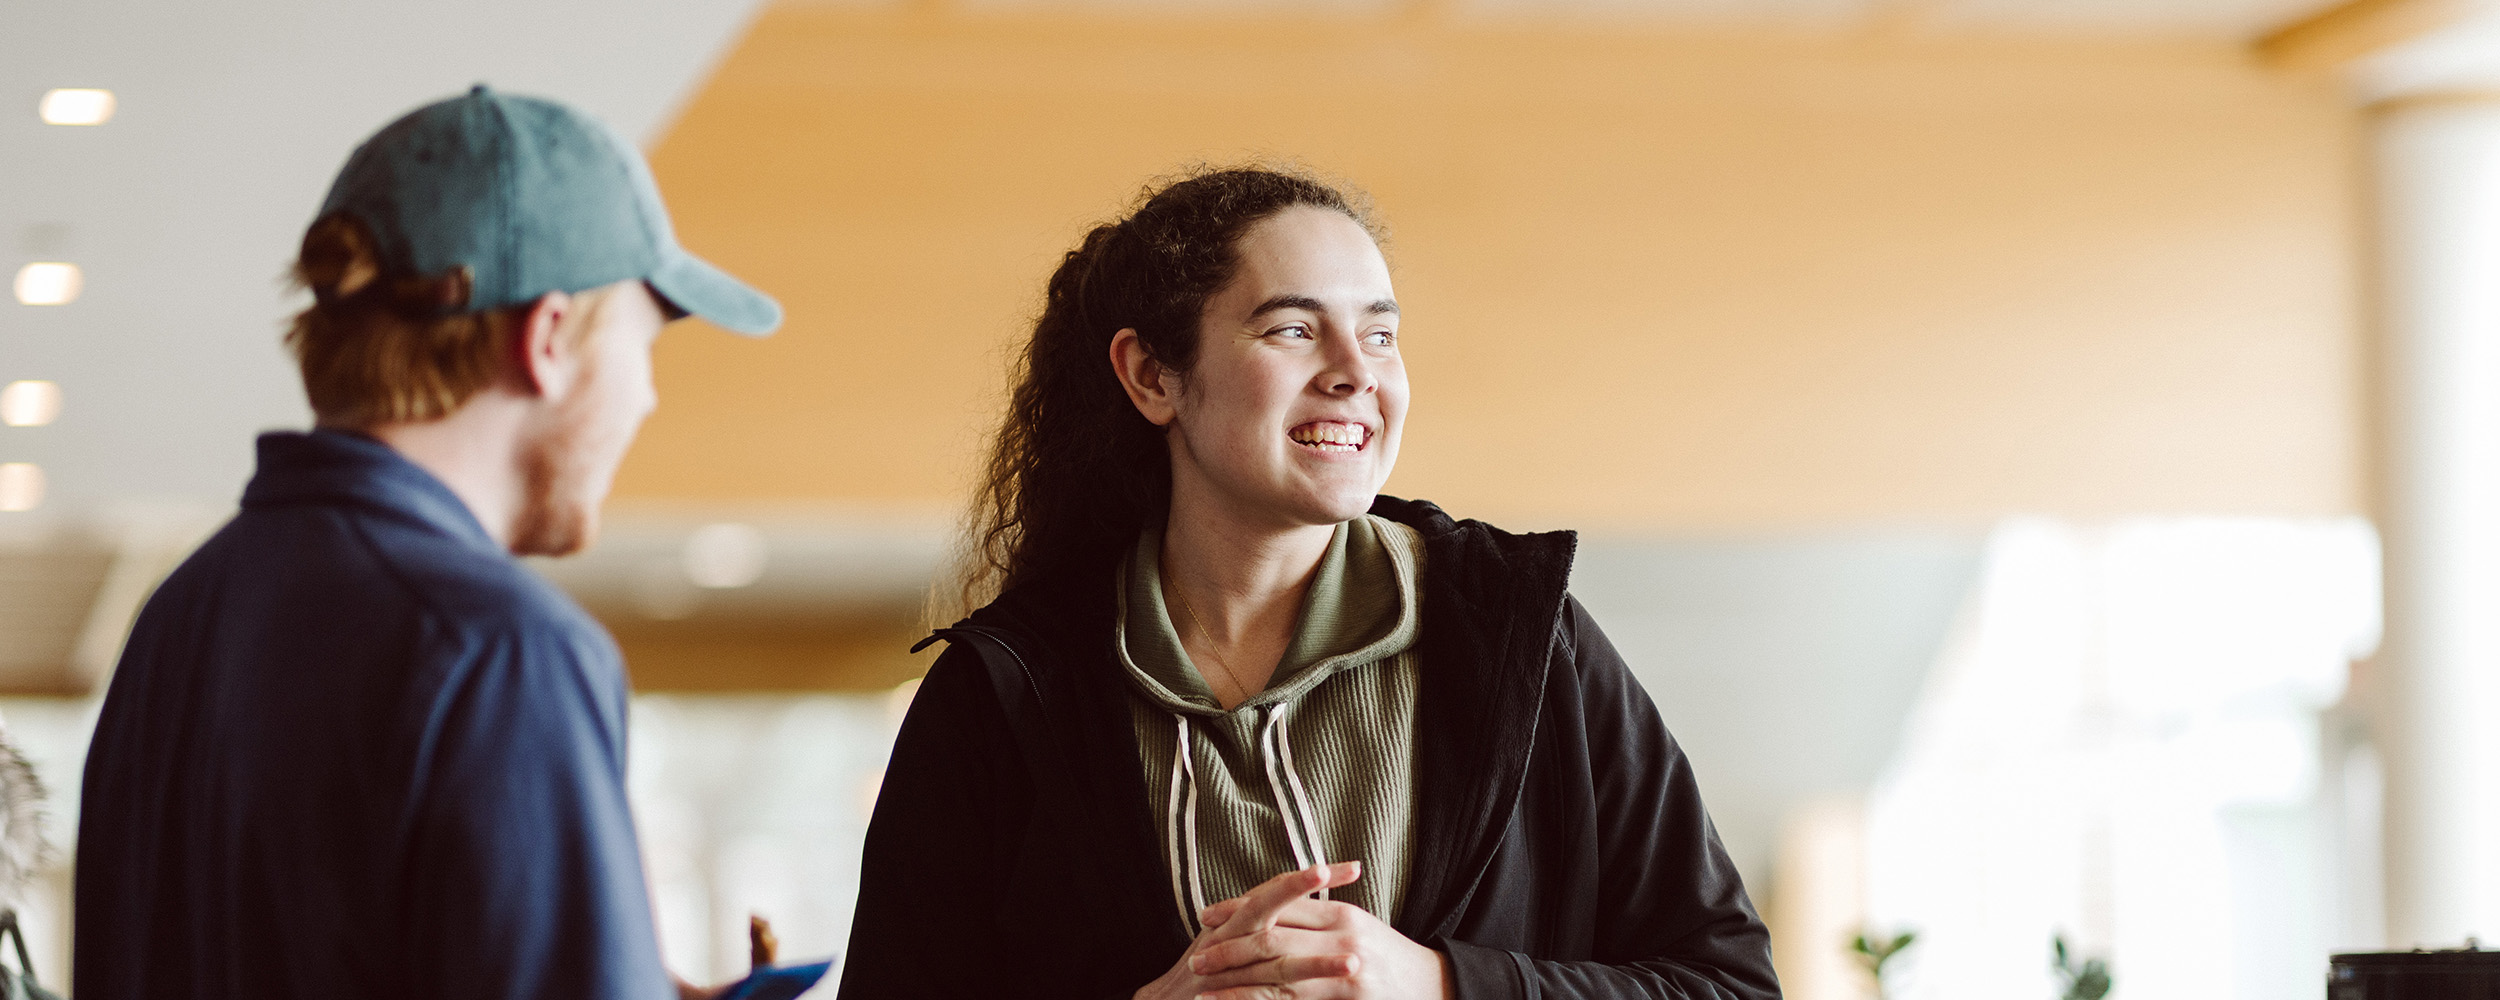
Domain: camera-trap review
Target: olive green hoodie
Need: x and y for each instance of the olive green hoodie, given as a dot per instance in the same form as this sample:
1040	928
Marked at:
1316	768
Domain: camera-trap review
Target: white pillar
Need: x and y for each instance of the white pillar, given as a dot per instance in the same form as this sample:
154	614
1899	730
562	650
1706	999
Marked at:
2438	327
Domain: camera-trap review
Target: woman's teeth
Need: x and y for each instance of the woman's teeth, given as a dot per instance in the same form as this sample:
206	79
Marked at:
1329	435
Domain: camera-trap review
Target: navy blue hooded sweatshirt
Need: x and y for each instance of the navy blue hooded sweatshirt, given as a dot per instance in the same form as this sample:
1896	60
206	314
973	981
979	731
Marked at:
354	748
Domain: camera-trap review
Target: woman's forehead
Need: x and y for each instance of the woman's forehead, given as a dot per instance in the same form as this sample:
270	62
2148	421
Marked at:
1312	253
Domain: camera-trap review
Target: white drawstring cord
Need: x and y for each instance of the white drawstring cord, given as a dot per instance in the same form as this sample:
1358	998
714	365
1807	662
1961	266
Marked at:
1301	799
1276	790
1301	828
1183	841
1180	826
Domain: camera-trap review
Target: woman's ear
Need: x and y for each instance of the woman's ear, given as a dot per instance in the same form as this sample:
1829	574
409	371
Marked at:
1145	379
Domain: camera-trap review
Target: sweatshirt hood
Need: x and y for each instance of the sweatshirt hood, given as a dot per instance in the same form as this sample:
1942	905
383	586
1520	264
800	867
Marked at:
1342	624
1495	598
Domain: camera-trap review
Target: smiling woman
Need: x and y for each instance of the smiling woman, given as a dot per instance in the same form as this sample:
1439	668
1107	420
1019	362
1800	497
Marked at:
1204	416
1077	468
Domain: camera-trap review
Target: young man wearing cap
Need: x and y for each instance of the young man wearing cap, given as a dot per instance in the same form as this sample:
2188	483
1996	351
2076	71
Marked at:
353	747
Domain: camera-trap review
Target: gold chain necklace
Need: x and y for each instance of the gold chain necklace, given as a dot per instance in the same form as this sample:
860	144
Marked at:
1203	636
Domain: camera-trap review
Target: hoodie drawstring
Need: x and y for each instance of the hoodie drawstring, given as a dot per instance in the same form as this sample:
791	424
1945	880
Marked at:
1183	841
1181	820
1299	818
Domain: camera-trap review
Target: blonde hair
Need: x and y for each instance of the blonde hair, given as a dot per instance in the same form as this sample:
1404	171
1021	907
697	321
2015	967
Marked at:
376	350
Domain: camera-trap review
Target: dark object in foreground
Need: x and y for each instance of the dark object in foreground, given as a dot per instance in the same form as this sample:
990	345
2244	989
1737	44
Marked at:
2469	974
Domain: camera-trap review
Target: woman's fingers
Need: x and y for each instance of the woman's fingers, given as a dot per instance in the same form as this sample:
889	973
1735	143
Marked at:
1282	890
1303	928
1285	971
1333	988
1216	914
1315	914
1263	946
1305	912
1259	907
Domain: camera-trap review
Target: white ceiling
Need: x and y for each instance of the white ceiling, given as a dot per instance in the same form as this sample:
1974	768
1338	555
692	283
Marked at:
2462	58
184	209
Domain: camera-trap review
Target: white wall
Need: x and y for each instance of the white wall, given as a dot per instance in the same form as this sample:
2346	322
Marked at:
185	210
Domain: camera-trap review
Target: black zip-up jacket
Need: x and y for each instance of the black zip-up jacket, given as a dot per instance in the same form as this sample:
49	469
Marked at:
1561	849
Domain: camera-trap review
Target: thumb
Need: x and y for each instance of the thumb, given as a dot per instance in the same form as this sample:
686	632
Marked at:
762	946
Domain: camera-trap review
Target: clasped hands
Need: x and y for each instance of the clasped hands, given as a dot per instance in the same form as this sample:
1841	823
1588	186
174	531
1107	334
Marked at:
1276	943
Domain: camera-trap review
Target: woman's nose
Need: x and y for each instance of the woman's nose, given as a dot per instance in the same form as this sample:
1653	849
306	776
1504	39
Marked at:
1348	372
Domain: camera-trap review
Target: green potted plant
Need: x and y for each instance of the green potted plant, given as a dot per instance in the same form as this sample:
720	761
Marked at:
1874	950
2089	981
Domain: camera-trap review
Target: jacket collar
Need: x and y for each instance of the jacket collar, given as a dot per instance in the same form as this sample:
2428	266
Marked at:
1492	603
340	467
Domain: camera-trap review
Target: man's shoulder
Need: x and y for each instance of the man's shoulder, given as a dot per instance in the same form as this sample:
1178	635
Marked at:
484	591
491	611
344	553
510	649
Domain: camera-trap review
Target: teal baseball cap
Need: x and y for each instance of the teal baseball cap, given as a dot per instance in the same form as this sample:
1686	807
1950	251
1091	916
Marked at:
531	197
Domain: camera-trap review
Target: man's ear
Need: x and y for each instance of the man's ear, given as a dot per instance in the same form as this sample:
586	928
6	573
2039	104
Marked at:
541	358
1145	379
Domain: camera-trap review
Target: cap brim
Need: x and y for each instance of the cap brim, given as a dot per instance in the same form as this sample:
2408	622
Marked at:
694	285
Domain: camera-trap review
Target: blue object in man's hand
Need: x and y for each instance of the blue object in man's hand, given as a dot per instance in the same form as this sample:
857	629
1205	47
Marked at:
778	982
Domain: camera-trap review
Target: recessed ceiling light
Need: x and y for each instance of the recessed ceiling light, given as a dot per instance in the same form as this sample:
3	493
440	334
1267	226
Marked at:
49	283
29	403
21	486
76	107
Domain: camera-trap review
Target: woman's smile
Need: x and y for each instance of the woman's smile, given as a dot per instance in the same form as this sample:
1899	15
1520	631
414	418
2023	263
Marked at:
1331	436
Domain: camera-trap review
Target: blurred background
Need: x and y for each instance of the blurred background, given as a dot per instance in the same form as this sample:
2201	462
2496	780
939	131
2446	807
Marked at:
2042	456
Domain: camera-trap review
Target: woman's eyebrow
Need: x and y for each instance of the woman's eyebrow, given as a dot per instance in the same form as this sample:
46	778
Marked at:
1304	302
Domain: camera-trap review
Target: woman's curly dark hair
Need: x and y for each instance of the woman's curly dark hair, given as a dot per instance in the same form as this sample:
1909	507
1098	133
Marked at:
1075	472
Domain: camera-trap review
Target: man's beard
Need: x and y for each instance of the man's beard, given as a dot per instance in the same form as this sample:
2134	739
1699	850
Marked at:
559	511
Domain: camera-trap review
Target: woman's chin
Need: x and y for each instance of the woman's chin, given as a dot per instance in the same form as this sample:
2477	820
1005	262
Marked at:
1296	501
1337	507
